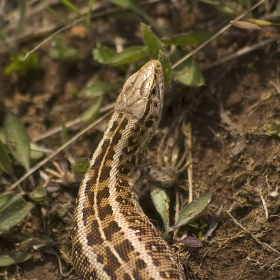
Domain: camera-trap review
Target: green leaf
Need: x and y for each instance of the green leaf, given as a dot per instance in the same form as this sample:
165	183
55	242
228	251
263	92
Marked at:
102	54
71	6
188	39
187	72
38	194
8	258
193	210
17	139
204	225
274	126
157	51
190	75
35	151
98	88
60	51
200	235
5	163
129	55
274	129
151	41
260	22
212	2
12	210
167	69
23	67
125	4
2	135
161	202
194	224
277	10
225	9
80	165
130	4
90	114
90	4
22	12
126	16
64	137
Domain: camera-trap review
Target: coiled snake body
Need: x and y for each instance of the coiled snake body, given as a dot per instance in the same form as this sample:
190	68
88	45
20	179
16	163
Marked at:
112	238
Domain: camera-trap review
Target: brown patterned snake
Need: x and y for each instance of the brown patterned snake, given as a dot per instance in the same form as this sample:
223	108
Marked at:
112	237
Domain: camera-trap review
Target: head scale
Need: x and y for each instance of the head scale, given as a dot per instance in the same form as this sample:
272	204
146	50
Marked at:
142	94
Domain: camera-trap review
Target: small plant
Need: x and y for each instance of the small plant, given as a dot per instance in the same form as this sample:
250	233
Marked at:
274	129
23	67
60	51
200	227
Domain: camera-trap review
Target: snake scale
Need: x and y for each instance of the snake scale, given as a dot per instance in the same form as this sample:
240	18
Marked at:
112	238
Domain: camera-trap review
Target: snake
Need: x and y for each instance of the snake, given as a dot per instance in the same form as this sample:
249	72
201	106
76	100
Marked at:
112	238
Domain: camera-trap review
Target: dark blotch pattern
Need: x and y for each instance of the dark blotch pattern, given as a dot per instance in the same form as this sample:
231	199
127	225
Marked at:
105	173
111	229
154	247
126	277
123	170
112	264
87	212
140	264
90	197
143	132
102	194
132	141
94	236
100	157
105	211
121	185
146	113
124	249
136	275
124	201
117	137
95	167
100	259
156	262
136	128
128	150
114	126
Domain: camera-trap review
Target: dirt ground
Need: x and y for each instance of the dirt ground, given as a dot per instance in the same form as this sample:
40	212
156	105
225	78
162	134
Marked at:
235	149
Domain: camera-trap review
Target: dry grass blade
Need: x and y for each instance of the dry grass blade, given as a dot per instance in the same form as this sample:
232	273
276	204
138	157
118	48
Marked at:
215	36
43	162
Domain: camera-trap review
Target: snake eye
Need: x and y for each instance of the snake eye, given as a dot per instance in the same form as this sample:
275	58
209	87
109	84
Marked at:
154	91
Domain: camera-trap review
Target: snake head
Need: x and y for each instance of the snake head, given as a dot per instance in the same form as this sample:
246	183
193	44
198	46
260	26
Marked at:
142	94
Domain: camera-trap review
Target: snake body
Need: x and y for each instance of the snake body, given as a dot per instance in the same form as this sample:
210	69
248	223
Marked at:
112	238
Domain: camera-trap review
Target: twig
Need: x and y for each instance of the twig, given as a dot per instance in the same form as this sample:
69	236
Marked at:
214	36
68	124
262	199
252	235
277	88
190	161
240	53
112	10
